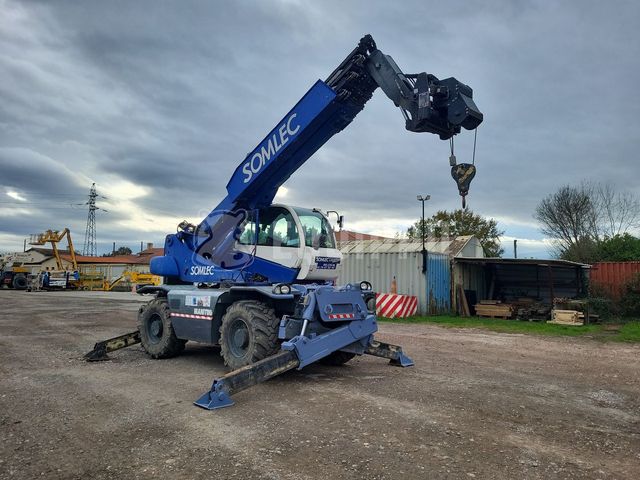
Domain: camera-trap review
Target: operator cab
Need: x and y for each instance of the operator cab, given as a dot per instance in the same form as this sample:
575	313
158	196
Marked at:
294	237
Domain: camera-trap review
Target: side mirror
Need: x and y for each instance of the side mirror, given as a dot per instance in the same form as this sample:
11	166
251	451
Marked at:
341	221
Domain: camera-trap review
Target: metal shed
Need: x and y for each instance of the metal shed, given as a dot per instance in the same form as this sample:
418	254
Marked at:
508	279
379	261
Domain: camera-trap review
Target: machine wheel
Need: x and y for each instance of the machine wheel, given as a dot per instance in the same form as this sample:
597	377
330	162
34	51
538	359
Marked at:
20	282
249	332
337	358
156	332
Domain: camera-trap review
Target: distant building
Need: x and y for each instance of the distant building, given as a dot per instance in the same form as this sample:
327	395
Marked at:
38	259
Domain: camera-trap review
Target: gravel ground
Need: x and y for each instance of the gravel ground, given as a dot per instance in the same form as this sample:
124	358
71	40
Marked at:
476	405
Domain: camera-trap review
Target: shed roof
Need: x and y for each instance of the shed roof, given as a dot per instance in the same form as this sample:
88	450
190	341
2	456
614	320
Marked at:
541	262
450	246
350	236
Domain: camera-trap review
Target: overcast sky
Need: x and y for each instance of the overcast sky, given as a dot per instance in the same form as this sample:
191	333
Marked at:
158	102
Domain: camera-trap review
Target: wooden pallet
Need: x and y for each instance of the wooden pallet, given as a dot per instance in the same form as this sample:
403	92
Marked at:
566	317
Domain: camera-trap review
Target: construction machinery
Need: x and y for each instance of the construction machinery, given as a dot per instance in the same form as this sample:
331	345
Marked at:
132	277
257	278
61	277
14	275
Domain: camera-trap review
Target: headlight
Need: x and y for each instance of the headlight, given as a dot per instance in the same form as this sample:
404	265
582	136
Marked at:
365	286
282	289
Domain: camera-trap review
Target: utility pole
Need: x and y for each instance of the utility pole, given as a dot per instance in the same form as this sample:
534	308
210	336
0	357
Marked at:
423	232
515	248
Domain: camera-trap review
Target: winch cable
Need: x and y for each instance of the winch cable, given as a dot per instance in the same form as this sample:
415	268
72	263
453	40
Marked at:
475	137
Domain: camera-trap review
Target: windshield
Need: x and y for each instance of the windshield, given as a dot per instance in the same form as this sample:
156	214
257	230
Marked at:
316	229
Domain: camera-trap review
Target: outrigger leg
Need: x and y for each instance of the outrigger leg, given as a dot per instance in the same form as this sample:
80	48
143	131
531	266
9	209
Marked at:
233	382
245	377
100	349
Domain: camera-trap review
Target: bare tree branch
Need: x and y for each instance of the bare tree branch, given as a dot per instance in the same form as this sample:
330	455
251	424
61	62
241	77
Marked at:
578	218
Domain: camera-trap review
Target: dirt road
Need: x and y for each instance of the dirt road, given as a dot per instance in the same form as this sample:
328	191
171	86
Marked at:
477	405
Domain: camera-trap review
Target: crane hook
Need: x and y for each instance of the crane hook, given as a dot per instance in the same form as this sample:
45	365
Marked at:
463	173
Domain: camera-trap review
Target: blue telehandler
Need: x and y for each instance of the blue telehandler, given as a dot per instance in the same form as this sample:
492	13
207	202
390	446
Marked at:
258	279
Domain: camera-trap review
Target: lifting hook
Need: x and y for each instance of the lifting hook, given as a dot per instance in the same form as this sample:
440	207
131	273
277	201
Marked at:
463	173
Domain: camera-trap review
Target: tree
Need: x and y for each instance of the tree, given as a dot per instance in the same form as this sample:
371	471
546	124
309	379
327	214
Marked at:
568	216
460	222
579	218
119	251
616	212
620	248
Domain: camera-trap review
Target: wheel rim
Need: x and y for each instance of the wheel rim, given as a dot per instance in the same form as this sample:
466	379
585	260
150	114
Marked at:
155	328
238	338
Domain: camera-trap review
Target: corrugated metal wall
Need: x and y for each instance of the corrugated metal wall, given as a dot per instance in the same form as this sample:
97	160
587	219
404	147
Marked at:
612	276
380	268
472	277
438	283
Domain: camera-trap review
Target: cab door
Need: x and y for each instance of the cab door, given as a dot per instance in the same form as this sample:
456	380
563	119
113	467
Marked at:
272	234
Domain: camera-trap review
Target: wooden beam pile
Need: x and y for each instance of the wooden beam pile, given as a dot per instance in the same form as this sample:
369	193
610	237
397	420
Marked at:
493	309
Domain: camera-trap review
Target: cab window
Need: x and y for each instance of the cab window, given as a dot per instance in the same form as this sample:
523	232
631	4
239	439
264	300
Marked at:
276	228
316	229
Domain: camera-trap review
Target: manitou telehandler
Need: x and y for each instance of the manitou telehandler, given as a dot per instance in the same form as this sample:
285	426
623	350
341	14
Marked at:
258	278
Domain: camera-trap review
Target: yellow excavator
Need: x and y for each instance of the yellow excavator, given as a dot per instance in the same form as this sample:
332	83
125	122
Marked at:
134	278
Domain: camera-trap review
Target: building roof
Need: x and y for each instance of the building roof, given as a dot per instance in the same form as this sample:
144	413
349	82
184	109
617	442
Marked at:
45	251
351	236
152	252
450	246
137	259
117	259
541	262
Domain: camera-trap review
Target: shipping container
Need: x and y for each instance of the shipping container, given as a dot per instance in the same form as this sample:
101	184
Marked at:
432	290
611	277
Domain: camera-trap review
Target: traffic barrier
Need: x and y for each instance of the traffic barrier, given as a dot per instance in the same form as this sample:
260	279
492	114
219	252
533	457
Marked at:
392	305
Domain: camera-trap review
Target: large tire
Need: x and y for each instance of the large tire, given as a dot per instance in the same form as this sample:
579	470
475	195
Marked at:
249	332
20	282
337	358
156	331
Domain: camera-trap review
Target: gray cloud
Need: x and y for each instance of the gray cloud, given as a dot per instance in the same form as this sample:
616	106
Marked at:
167	98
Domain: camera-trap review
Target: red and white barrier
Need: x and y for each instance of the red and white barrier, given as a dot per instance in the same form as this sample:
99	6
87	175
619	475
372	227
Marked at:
392	305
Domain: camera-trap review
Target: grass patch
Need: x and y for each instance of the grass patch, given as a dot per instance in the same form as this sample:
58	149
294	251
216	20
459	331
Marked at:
629	332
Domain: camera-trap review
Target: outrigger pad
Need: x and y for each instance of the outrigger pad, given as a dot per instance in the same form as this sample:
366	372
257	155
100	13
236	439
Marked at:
98	354
402	360
393	352
214	398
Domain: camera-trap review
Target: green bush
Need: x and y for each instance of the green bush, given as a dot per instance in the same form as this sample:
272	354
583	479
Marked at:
604	307
630	301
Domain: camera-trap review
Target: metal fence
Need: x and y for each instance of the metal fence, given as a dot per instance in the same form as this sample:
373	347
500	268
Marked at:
433	290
